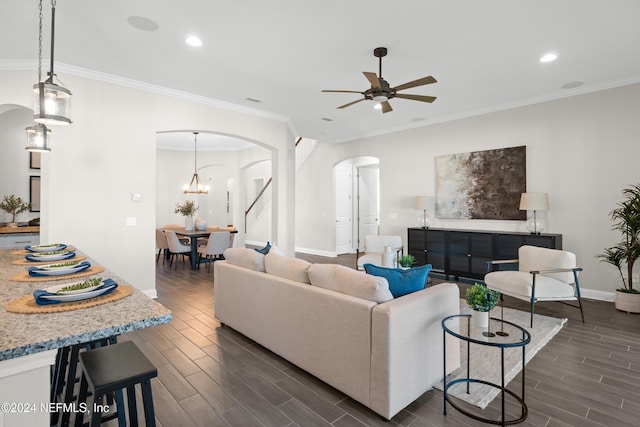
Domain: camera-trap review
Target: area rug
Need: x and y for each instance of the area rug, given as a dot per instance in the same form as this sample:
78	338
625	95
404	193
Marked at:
485	361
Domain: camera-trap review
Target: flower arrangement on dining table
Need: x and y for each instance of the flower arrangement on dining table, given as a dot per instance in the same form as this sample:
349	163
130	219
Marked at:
187	208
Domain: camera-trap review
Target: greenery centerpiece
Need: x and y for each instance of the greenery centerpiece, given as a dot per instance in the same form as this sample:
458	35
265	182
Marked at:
626	220
406	261
481	300
14	206
188	209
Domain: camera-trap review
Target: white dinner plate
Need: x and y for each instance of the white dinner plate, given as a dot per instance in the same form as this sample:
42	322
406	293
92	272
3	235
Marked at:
47	270
52	257
46	248
76	295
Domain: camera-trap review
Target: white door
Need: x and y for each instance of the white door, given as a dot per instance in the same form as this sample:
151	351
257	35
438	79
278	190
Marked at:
368	209
344	208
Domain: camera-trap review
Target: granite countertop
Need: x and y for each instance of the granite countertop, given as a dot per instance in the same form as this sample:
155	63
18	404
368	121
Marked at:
23	334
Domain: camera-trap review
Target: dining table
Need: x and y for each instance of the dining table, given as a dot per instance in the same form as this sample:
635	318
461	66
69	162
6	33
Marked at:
194	235
31	338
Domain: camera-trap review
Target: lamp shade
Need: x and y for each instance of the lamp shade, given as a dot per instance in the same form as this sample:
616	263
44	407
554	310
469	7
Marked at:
534	202
421	202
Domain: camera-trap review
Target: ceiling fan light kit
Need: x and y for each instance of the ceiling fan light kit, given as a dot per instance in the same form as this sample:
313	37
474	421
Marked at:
380	90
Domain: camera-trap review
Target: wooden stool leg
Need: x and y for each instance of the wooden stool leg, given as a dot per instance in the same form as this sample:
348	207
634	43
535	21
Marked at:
131	401
147	398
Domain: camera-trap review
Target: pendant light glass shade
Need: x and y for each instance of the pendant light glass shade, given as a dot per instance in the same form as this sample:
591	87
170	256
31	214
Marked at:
52	104
38	138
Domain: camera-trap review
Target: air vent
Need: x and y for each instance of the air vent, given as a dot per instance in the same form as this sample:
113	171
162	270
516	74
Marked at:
326	119
257	101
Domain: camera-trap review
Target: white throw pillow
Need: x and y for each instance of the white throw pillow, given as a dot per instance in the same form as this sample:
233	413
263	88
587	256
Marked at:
351	282
245	257
284	266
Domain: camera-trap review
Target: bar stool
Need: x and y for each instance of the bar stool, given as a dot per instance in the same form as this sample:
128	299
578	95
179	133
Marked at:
64	375
110	370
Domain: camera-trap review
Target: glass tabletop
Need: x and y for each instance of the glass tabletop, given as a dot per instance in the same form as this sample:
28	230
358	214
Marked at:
500	333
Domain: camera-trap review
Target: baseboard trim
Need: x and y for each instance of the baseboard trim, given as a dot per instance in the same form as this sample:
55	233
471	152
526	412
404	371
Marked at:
598	295
316	252
151	293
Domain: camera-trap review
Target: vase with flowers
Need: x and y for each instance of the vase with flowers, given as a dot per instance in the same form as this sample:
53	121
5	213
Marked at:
188	209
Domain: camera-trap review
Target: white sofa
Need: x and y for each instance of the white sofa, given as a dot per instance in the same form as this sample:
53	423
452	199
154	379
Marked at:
382	352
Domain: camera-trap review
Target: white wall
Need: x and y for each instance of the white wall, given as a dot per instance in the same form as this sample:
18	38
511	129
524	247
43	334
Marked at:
109	152
581	150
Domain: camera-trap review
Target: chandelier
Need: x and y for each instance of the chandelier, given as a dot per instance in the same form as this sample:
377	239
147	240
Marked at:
195	186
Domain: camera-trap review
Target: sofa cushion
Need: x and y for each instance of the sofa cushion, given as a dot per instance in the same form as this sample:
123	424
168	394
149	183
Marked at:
287	267
245	257
351	282
401	282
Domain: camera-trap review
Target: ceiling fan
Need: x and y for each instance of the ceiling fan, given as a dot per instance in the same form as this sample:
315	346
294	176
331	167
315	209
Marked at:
380	90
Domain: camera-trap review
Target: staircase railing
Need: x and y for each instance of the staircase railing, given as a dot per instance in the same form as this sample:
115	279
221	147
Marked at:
304	148
258	205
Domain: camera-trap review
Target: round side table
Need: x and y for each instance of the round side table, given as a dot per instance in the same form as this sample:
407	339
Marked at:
511	335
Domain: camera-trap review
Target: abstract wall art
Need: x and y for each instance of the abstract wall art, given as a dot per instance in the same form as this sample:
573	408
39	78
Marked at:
481	184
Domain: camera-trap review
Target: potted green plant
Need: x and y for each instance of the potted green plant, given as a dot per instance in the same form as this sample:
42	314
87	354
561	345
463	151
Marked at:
406	261
626	220
188	209
481	300
14	206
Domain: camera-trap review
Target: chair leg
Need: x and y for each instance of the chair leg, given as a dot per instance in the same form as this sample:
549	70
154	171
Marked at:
581	312
158	256
533	302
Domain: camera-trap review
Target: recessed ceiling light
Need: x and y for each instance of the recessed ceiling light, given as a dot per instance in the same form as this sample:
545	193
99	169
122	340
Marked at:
548	57
143	24
193	41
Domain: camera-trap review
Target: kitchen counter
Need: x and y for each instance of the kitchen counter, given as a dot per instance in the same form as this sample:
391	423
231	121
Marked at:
19	230
29	342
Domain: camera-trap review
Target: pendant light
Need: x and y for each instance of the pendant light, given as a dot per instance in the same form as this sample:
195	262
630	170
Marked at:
195	186
52	101
38	138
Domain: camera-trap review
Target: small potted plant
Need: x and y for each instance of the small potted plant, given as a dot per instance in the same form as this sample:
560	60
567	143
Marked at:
14	206
626	219
406	261
188	209
481	300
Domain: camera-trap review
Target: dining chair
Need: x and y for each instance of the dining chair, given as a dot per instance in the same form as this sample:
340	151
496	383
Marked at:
161	244
176	247
184	240
218	242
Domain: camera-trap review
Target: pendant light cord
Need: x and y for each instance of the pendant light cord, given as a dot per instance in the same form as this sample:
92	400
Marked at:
53	24
40	44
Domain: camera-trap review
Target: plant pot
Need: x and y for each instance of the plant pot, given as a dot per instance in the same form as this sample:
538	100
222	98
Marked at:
479	319
628	302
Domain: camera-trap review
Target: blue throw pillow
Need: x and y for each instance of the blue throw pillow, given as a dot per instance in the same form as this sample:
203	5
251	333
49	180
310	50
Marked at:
401	282
264	250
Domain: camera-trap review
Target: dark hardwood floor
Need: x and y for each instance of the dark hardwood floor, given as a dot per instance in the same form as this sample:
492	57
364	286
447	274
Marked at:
209	375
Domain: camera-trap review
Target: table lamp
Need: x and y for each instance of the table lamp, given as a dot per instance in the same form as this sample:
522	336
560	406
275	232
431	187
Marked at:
421	204
534	202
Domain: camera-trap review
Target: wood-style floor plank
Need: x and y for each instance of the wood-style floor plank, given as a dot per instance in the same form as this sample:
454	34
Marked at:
210	375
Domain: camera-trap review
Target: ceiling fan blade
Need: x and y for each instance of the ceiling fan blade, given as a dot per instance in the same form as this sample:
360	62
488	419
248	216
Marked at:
351	103
343	91
420	82
373	79
422	98
386	107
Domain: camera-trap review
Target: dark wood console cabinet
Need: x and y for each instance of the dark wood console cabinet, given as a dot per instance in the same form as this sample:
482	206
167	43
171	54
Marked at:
464	253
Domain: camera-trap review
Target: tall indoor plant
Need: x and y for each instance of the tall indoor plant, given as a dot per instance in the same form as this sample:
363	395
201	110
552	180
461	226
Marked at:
626	220
14	205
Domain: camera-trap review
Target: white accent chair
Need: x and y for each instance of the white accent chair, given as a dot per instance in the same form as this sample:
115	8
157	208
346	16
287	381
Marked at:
161	245
175	247
218	242
543	275
374	247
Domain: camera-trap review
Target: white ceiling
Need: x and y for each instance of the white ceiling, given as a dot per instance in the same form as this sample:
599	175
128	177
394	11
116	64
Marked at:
484	53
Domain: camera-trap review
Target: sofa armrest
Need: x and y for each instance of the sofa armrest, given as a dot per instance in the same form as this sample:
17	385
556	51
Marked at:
407	346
